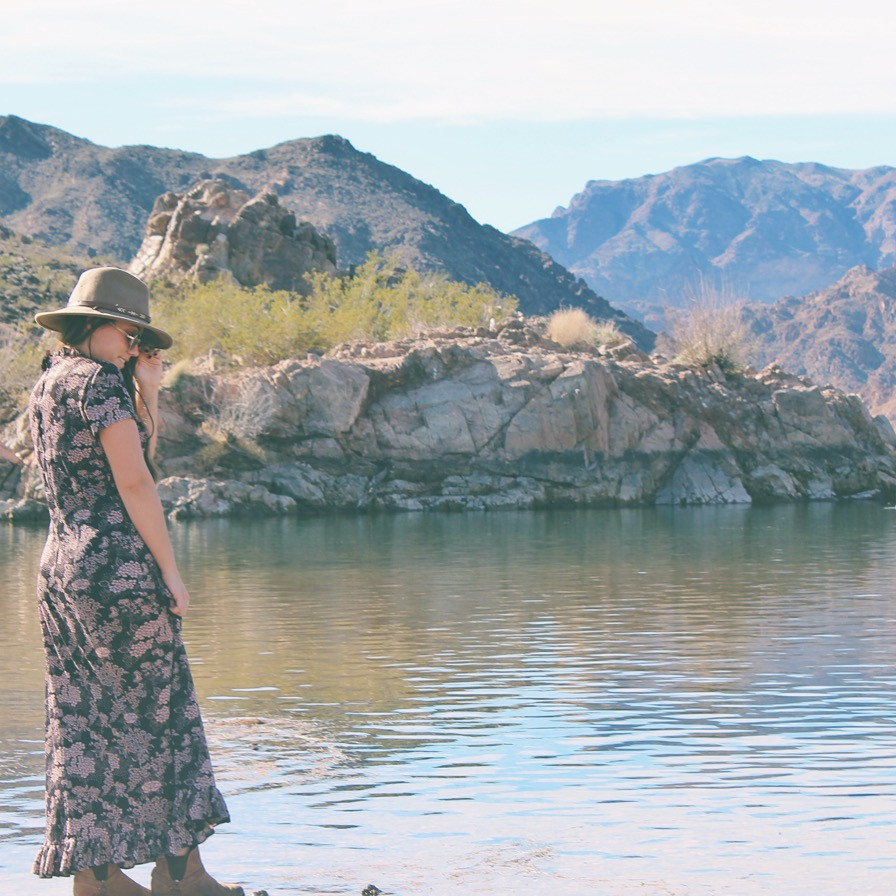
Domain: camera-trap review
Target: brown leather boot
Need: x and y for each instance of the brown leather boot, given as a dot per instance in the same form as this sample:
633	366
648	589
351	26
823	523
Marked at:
116	884
195	882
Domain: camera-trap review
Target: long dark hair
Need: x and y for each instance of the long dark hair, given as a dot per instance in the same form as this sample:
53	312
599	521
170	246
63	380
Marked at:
80	327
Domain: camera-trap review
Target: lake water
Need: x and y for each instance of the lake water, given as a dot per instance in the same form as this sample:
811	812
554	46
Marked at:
672	701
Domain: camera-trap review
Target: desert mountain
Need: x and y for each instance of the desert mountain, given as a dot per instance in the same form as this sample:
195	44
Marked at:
34	275
765	228
91	198
844	335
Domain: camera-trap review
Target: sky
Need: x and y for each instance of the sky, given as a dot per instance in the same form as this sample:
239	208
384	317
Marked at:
508	107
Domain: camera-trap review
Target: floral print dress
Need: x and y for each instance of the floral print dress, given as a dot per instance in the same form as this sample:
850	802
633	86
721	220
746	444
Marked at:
128	772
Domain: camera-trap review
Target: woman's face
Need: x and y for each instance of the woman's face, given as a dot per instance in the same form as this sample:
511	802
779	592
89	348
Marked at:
110	342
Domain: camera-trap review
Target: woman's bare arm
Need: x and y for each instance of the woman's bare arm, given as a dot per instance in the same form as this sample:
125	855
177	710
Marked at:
121	442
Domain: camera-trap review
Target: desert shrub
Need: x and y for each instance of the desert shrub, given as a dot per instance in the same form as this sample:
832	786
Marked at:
249	326
378	301
236	412
710	329
241	326
381	300
571	327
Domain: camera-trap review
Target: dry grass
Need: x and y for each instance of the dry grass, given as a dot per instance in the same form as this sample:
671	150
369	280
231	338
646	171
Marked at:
574	328
710	329
240	408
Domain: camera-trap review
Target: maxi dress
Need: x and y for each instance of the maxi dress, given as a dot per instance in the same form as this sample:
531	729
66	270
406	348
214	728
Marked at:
129	777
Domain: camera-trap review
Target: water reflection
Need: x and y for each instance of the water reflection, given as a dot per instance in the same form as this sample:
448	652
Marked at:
674	701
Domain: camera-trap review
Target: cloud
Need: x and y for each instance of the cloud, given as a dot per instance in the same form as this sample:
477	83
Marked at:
465	60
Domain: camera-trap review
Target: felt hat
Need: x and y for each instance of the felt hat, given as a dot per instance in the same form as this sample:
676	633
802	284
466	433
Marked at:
112	294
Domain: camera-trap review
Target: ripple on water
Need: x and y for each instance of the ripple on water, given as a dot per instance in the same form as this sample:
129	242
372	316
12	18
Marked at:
612	702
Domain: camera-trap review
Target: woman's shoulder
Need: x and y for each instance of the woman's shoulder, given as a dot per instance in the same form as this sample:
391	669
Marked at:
73	380
79	368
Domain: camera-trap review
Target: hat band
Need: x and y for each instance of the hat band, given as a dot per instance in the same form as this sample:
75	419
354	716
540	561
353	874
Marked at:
117	308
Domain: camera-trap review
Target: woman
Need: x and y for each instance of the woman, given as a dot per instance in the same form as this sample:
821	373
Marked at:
129	778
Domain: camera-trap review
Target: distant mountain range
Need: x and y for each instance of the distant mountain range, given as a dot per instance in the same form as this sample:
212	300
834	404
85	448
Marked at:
844	335
93	199
764	228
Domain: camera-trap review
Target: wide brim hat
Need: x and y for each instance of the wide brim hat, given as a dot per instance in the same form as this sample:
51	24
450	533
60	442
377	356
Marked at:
112	294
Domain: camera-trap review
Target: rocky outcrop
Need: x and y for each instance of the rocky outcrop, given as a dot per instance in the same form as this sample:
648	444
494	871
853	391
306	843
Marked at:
215	229
472	420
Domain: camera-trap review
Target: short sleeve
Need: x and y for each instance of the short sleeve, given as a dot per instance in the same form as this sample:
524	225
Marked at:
106	399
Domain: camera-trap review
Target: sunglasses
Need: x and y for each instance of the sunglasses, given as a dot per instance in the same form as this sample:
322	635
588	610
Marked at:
133	339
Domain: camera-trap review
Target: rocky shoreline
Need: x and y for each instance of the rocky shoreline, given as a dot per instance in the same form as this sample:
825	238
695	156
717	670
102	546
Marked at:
478	420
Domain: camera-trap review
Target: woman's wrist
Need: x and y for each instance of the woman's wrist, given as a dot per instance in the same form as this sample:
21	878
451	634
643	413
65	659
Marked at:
149	400
149	390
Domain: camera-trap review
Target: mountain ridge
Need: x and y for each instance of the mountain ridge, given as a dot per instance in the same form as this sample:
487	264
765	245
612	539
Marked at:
844	334
767	228
97	199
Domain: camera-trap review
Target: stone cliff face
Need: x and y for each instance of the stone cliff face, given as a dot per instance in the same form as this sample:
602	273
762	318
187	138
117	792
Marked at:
468	420
215	229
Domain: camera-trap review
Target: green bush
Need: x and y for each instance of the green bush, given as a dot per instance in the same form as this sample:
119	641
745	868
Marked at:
379	300
241	326
250	326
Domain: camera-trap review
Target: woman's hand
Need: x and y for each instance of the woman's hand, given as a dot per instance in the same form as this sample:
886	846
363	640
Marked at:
149	371
9	454
180	598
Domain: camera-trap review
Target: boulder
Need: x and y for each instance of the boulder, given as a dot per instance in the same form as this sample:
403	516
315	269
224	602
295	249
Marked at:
23	510
186	498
